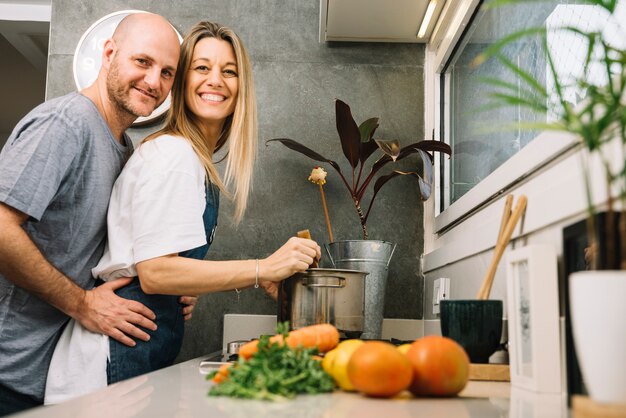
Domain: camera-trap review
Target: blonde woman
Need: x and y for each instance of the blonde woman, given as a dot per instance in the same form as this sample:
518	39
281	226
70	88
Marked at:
163	213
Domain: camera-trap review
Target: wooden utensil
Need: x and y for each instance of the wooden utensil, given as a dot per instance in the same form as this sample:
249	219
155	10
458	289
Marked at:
305	233
508	204
501	244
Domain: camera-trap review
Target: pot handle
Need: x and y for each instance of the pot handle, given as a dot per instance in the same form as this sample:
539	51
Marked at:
339	283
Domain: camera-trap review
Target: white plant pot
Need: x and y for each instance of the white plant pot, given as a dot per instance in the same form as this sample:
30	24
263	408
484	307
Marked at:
598	316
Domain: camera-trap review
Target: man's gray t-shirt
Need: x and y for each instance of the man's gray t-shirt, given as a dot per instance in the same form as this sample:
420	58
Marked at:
58	167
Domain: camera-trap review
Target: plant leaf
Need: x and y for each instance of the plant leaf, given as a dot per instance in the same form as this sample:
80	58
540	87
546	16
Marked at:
348	132
391	148
296	146
425	188
367	149
425	184
379	183
495	48
368	146
524	75
515	100
367	129
497	82
425	145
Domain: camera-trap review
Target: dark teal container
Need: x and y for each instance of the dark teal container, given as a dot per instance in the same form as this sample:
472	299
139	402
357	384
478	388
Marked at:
475	324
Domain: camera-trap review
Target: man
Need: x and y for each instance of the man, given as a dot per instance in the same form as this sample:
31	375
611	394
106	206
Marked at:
56	174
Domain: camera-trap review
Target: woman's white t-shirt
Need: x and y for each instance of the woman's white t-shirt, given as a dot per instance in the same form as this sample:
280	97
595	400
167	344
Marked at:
156	209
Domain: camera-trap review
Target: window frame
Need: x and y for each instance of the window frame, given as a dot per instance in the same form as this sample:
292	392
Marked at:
478	211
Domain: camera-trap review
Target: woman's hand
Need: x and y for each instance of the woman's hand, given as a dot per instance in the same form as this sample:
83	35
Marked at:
294	256
189	303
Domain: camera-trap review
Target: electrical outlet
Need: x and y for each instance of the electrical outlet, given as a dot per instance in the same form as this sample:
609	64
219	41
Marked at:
441	291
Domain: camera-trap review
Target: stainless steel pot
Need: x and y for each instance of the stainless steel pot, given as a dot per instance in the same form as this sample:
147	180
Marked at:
318	296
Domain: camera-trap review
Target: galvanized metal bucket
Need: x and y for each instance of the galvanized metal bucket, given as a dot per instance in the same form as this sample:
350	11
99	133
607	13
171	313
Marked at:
372	256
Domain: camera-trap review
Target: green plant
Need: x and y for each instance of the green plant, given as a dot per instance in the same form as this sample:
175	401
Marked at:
358	145
276	372
598	120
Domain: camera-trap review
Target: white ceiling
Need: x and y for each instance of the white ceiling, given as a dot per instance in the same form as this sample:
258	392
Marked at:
24	34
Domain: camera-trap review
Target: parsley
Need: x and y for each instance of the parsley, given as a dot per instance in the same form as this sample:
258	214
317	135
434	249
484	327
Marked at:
275	372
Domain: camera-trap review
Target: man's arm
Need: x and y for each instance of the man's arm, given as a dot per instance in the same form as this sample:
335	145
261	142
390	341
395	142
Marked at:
99	310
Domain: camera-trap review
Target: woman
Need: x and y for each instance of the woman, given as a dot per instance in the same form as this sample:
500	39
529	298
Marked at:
163	214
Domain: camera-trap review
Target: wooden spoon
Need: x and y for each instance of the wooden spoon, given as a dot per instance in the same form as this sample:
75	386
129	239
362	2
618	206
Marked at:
501	244
305	233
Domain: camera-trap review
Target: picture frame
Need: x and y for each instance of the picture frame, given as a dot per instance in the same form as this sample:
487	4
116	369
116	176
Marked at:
533	319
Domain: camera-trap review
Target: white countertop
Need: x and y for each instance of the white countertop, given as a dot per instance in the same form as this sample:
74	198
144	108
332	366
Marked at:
181	391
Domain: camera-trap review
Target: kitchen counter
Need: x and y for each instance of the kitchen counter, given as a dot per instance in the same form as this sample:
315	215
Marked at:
181	391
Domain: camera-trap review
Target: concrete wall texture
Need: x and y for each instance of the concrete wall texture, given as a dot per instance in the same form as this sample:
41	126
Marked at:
297	79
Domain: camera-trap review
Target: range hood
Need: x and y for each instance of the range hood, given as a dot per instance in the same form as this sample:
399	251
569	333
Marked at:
378	20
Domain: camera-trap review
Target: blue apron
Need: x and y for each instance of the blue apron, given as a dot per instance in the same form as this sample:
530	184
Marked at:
164	344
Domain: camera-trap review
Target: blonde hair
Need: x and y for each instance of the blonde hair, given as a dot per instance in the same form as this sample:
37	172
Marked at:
240	128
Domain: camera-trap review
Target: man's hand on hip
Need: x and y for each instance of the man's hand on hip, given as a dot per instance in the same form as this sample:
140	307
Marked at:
104	312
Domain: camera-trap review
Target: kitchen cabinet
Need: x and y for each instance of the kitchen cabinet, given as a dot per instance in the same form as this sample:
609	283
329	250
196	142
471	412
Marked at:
377	20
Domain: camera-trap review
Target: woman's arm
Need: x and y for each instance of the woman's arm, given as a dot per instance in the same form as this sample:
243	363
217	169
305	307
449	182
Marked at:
174	275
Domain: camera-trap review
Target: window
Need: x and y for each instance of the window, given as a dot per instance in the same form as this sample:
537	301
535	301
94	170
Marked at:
479	142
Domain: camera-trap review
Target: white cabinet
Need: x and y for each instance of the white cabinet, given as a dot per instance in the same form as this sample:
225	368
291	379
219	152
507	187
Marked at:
376	20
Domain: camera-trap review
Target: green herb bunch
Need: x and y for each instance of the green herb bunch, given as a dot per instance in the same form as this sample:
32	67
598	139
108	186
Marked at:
275	372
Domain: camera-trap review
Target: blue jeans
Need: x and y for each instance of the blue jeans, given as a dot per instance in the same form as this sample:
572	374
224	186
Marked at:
164	344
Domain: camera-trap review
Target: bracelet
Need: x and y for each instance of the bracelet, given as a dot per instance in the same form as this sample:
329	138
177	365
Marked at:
256	276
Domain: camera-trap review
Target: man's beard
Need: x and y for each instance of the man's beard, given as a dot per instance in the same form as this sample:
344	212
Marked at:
120	96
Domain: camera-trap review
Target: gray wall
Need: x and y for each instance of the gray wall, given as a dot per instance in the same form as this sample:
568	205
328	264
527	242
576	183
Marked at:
297	80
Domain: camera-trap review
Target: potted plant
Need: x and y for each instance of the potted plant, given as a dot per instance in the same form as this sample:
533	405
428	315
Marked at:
358	146
599	123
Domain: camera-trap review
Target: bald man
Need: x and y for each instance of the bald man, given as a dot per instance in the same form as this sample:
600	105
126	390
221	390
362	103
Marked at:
57	170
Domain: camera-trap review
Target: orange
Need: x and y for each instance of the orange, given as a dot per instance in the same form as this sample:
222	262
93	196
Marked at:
440	366
404	348
379	369
335	362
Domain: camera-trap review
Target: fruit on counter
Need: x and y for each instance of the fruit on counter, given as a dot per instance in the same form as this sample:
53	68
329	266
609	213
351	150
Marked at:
404	348
379	369
324	337
335	362
440	366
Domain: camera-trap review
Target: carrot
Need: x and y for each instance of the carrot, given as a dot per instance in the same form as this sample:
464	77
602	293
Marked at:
323	336
249	349
222	373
